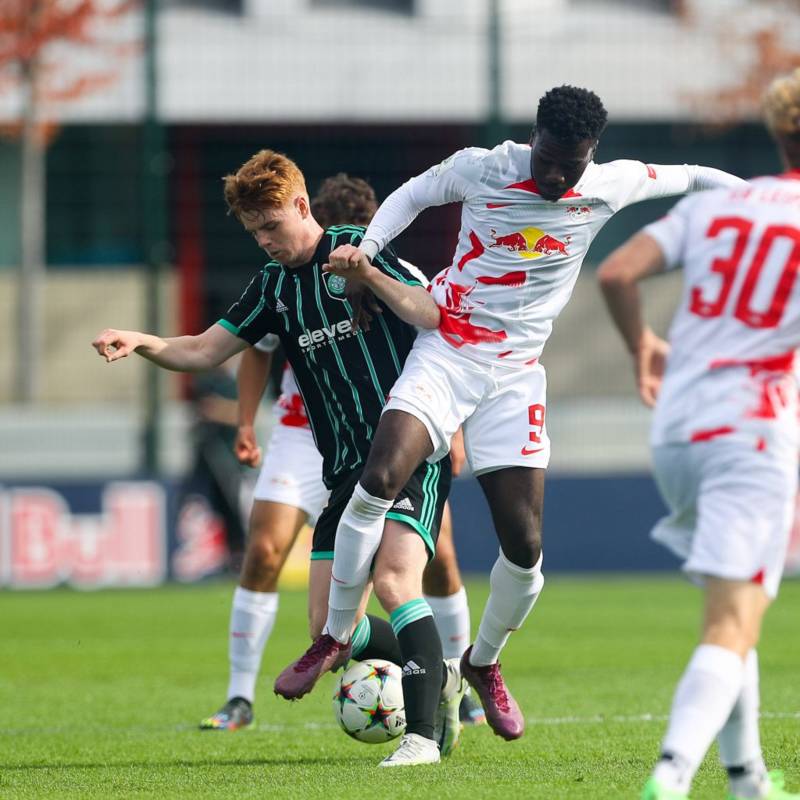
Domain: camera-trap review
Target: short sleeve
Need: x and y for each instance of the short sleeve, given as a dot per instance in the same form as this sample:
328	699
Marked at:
670	233
249	317
388	263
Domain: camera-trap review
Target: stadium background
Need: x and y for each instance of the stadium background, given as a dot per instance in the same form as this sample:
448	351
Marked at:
135	234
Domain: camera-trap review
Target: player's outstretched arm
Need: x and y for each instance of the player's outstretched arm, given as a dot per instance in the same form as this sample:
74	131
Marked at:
251	380
619	276
413	304
452	181
179	353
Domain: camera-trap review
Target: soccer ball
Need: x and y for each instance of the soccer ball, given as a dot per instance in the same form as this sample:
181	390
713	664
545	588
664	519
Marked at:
368	701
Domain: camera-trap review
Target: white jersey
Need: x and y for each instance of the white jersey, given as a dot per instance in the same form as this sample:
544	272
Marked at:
518	255
289	409
730	369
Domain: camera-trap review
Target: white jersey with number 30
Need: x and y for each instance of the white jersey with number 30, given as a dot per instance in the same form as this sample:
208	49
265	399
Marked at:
730	369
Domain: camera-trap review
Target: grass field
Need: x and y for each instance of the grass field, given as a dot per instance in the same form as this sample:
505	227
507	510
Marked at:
100	694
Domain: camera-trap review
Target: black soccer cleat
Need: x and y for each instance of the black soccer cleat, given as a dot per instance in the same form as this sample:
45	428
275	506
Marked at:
235	714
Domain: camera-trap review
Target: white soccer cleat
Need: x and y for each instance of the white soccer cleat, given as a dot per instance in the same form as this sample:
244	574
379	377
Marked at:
447	726
412	750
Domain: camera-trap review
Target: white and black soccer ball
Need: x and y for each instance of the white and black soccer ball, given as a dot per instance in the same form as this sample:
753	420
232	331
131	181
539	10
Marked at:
368	701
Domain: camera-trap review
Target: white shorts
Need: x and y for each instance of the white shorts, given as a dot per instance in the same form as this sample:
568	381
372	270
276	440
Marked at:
292	472
501	408
731	509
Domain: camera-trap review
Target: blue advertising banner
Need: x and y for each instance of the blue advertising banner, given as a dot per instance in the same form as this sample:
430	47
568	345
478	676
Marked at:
139	533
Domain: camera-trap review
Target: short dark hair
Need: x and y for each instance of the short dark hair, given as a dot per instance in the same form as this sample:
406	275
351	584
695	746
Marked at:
342	200
571	114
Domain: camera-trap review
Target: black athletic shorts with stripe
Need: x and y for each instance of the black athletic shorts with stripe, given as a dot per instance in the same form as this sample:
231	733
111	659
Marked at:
419	505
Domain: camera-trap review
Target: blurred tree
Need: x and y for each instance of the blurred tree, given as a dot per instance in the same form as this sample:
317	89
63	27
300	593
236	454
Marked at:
760	39
39	45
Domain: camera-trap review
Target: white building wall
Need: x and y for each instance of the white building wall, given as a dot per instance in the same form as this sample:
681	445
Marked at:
289	61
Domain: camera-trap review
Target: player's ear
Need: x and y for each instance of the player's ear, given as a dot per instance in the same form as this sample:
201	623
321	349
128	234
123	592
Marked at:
302	205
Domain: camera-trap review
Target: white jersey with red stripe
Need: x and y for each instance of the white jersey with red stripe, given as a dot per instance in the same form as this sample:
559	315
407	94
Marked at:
518	255
289	409
733	338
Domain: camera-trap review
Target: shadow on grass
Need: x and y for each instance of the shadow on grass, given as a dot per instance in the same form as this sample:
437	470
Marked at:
179	763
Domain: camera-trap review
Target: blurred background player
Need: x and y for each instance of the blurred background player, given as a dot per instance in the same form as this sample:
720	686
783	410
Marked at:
344	375
724	437
215	477
529	214
290	493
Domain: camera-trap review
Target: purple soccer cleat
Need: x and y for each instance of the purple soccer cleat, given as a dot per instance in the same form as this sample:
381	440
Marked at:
502	711
324	655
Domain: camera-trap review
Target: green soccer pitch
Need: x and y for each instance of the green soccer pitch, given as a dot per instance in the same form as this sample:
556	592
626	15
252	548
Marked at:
101	693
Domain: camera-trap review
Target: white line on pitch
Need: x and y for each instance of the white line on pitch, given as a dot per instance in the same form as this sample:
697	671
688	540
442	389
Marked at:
589	720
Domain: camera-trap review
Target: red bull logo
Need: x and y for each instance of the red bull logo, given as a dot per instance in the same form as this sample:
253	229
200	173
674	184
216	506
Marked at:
530	243
578	211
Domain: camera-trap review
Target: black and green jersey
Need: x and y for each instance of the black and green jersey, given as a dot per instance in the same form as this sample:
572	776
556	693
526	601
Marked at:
344	376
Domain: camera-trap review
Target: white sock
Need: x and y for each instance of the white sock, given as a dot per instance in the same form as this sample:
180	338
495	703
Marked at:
252	617
451	615
739	740
357	539
513	593
701	705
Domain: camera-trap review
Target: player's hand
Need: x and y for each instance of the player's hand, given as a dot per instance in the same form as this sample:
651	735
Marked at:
348	262
650	363
458	456
113	345
363	303
246	446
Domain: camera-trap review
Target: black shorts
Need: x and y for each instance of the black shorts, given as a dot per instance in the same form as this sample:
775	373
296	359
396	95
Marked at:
419	505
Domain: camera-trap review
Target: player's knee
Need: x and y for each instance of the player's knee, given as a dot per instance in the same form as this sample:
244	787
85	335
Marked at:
265	554
731	632
391	588
382	480
524	551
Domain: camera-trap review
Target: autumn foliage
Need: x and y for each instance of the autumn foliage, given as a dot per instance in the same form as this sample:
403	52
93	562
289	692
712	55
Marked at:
60	50
767	31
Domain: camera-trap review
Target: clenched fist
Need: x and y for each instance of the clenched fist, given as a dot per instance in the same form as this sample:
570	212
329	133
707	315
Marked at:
348	262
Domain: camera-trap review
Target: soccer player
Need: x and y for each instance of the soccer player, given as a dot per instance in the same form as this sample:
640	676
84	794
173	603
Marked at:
724	437
529	213
343	375
289	493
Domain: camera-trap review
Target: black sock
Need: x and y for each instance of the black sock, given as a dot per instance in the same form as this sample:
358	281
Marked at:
382	642
421	651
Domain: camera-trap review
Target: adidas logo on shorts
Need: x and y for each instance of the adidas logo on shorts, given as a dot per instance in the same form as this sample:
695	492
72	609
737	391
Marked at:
412	668
403	505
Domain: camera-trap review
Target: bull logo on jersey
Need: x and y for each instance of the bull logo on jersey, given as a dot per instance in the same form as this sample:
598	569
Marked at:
578	212
455	324
530	243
